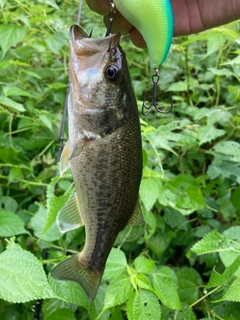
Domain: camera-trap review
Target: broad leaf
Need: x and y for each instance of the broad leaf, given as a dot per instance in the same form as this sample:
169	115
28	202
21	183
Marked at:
116	264
143	265
165	286
219	279
143	305
22	277
149	192
233	293
70	291
10	36
212	242
119	291
10	224
182	193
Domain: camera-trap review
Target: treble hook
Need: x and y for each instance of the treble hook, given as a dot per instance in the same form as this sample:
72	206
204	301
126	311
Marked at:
155	80
111	17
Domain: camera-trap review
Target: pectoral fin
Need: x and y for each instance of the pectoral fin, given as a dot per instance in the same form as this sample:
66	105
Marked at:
78	147
69	217
137	217
64	159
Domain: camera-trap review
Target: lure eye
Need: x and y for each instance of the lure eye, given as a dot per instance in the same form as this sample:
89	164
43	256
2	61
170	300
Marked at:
112	72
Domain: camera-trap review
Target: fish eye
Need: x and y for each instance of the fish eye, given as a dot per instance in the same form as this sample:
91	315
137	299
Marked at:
112	72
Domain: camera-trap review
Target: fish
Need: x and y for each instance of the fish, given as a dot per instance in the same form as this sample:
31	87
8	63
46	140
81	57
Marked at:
104	153
154	20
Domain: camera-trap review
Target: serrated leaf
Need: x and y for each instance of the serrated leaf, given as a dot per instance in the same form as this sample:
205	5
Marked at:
209	133
225	169
96	306
143	305
10	35
212	242
38	223
70	291
217	279
233	293
15	91
46	121
183	194
119	291
116	264
189	281
15	157
149	192
22	277
230	255
10	224
55	204
11	104
229	148
56	41
141	281
51	305
165	287
143	265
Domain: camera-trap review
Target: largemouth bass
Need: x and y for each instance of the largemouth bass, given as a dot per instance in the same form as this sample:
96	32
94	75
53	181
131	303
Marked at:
103	152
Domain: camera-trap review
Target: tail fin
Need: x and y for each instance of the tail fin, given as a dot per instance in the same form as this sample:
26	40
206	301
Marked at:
73	270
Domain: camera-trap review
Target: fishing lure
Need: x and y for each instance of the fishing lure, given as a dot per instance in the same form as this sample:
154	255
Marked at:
154	20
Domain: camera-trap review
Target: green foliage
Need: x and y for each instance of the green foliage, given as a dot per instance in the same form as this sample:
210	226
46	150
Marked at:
184	262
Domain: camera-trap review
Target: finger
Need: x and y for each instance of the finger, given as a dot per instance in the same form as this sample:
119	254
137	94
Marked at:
120	24
137	38
100	6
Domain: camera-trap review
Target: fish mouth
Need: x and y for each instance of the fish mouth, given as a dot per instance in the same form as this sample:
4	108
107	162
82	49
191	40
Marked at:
83	45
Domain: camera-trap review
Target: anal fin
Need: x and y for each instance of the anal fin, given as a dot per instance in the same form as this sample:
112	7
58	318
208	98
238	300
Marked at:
69	217
137	217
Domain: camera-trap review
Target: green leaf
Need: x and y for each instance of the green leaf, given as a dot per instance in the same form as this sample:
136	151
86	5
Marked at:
61	314
11	104
143	305
54	206
165	286
10	36
15	91
231	149
22	277
119	291
141	281
51	3
189	281
70	291
209	133
116	264
230	255
10	224
182	193
149	192
56	41
212	242
225	169
38	223
143	265
233	293
217	279
13	156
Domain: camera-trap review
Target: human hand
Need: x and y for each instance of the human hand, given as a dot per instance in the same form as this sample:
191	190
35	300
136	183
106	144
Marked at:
190	16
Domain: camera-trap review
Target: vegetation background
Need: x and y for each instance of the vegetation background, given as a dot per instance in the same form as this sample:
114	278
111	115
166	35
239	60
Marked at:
184	263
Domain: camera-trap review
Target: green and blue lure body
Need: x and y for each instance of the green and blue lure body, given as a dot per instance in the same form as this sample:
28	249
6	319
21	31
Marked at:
154	20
